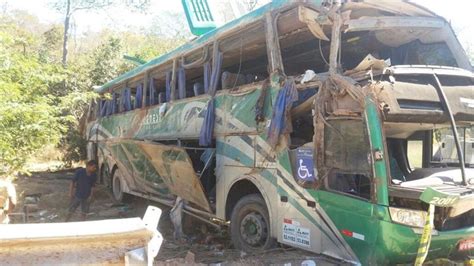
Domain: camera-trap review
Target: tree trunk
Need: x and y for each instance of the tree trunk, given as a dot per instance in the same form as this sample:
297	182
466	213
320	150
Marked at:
66	32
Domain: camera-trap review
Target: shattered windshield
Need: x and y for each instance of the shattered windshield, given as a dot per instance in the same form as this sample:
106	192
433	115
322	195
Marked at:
416	153
444	148
357	45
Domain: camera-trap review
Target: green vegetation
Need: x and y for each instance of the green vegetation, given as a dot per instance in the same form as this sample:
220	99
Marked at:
41	101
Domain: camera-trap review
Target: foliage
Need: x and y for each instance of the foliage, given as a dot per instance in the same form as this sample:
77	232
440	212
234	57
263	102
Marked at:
28	118
41	102
69	7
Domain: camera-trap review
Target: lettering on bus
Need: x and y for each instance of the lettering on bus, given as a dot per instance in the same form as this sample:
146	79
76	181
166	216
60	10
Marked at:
150	119
293	233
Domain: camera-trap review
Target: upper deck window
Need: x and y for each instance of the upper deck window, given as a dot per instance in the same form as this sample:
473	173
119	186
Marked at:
245	57
357	45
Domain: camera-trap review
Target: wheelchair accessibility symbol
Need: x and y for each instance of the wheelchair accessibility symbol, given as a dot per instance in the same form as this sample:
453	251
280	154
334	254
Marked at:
303	168
303	171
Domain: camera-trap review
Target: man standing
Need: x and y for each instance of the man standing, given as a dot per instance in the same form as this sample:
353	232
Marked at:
7	199
81	189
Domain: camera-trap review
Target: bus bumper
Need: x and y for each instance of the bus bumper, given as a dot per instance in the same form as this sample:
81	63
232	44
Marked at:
399	244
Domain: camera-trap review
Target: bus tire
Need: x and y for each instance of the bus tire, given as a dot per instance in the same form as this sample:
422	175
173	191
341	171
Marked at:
116	187
250	225
104	175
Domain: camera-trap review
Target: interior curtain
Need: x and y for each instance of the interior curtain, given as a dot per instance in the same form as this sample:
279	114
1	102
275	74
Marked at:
168	86
151	95
281	117
205	136
139	96
181	83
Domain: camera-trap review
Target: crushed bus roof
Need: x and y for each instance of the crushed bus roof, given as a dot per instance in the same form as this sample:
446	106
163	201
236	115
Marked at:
407	9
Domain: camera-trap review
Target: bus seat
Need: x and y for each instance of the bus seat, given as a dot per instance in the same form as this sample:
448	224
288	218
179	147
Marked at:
230	80
198	89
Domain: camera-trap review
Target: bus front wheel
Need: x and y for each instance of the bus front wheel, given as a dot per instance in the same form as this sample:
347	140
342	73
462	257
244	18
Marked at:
250	225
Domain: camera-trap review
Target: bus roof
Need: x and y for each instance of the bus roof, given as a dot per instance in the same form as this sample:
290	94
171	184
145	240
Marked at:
406	9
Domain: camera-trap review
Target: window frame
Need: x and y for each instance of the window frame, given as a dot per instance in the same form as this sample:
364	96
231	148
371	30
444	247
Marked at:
330	172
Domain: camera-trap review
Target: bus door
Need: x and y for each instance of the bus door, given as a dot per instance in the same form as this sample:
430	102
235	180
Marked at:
298	226
303	222
346	191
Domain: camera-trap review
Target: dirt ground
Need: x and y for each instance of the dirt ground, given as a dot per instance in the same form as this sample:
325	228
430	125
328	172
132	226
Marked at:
43	197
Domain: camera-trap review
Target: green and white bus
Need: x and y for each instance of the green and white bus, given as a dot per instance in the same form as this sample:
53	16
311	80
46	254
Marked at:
326	126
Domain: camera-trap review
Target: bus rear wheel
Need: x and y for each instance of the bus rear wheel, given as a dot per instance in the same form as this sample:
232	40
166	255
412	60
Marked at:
117	191
250	225
104	175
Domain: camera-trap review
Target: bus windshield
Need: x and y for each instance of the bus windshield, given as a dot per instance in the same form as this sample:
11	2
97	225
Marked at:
444	149
397	48
414	149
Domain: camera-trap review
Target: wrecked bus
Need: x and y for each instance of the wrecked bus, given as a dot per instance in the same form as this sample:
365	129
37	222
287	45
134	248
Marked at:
318	125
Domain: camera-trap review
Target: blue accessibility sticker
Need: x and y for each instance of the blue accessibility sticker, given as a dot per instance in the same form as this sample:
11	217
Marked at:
304	165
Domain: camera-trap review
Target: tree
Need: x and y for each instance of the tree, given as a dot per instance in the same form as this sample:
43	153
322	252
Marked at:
41	102
28	118
70	7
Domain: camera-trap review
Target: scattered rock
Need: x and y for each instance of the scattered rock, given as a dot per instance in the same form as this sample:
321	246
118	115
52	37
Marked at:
190	258
32	198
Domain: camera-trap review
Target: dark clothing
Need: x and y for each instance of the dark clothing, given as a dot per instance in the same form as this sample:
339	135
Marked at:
84	183
76	202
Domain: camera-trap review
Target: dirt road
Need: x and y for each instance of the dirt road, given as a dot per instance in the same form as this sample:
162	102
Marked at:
44	197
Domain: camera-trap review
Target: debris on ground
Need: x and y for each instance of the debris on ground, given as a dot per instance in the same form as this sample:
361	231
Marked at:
43	198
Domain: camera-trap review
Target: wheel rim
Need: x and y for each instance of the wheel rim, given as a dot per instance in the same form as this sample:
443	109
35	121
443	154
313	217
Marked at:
253	229
117	189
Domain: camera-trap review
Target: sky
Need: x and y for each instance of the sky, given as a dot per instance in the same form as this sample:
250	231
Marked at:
458	12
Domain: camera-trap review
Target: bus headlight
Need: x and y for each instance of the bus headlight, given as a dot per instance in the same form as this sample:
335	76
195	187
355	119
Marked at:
408	217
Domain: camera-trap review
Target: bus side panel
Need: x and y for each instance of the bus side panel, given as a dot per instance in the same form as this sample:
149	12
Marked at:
146	178
176	170
236	162
158	169
355	219
302	223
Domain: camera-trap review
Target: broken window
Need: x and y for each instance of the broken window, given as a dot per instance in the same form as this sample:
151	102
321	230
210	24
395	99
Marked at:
302	118
190	73
415	153
347	155
245	57
444	148
355	46
300	49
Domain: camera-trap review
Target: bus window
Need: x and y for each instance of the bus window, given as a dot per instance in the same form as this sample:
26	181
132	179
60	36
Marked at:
300	49
415	153
245	57
347	155
444	148
357	45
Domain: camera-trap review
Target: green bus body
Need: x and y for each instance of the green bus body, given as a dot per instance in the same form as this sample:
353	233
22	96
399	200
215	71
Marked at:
153	152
